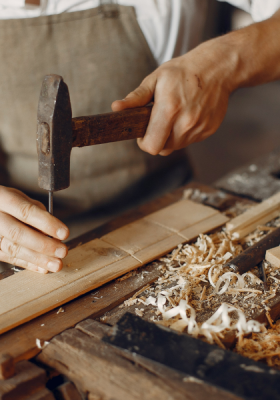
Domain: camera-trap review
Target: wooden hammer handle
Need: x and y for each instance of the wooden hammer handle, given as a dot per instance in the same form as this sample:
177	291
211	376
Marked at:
111	127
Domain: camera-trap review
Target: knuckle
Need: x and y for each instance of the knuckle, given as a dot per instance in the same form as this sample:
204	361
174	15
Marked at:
190	121
25	210
46	246
12	249
151	149
15	233
171	109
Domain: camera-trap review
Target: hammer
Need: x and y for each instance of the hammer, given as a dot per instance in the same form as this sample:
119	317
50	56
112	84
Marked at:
57	132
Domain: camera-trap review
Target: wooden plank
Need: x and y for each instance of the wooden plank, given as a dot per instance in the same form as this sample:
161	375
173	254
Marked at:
28	379
136	236
178	381
161	248
181	215
67	391
21	341
240	233
101	371
96	265
273	256
205	226
257	215
50	300
108	373
7	368
43	394
91	265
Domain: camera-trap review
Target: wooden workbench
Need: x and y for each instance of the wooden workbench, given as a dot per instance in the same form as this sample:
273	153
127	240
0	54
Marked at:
77	353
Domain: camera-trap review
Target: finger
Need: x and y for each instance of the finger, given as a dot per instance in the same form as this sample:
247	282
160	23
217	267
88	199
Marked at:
24	210
36	202
23	235
20	263
165	152
16	251
139	97
159	128
39	204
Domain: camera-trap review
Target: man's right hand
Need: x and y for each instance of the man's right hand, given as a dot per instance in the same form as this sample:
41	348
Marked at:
31	237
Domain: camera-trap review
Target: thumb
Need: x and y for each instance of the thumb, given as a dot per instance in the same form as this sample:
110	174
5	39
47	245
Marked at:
139	97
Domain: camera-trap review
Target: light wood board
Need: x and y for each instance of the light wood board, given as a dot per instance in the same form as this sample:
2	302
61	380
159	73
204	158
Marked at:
257	215
26	295
273	256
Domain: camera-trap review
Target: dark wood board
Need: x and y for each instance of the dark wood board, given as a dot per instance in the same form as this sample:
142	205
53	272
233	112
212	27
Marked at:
224	369
174	378
27	380
109	373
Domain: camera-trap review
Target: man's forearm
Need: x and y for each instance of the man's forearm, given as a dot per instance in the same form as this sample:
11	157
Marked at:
191	92
252	53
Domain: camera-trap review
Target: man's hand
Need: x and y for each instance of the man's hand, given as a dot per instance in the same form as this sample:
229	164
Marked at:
25	226
190	102
191	92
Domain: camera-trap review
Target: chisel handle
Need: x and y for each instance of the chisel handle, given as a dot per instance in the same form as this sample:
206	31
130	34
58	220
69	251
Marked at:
111	127
255	254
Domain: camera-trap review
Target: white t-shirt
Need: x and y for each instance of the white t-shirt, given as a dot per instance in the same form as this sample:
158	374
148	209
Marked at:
259	9
171	27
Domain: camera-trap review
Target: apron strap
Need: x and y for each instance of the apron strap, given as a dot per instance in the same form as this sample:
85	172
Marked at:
109	8
33	2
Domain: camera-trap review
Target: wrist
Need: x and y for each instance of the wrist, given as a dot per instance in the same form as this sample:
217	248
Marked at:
217	61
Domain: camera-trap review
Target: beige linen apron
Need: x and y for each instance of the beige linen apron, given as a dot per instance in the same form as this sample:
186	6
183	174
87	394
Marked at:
101	59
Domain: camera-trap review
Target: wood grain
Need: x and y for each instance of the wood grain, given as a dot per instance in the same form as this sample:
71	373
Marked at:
257	215
273	256
28	379
174	378
110	127
181	215
27	295
103	371
137	236
67	391
21	341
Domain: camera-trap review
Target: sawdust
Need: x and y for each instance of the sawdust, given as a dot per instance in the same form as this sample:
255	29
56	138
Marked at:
262	346
197	295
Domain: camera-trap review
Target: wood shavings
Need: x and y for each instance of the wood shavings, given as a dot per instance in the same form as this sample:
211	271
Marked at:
269	319
139	312
202	297
126	276
184	298
41	344
234	290
264	346
269	297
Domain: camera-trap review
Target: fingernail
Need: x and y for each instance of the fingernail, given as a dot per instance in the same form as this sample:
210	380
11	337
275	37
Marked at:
53	266
62	233
60	252
42	270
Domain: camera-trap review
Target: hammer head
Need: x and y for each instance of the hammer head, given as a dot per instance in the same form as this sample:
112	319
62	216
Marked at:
54	134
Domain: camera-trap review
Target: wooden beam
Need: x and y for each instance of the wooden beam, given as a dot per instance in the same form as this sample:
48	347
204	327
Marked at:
273	256
7	368
67	391
175	379
257	215
105	372
26	295
28	379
